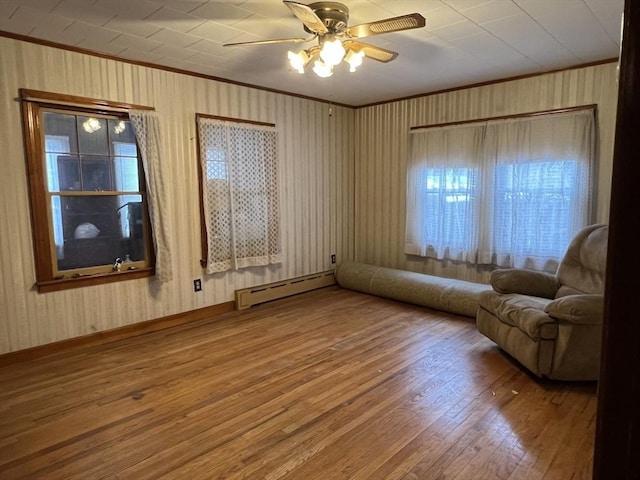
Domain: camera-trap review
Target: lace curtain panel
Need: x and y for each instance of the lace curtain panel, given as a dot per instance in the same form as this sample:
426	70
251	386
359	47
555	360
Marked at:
511	192
146	126
240	194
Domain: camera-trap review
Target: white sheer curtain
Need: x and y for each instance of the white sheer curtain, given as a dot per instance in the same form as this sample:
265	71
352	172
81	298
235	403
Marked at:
146	126
240	194
508	192
442	187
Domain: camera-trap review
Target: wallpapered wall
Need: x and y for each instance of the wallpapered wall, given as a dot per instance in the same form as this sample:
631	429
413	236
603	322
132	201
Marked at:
343	180
381	153
316	174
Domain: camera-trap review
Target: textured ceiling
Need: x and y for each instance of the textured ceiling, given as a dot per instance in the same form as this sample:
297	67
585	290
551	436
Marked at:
464	41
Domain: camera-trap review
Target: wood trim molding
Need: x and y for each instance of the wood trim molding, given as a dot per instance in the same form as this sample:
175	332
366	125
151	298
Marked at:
234	120
46	43
37	201
490	82
204	242
57	285
40	96
120	333
507	117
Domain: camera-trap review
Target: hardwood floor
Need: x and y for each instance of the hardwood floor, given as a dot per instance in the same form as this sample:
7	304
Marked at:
332	384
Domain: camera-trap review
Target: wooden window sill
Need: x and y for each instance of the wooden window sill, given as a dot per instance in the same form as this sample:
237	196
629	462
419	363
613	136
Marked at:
91	280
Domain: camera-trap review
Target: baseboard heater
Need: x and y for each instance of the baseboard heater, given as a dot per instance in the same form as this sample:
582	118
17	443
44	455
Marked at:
248	297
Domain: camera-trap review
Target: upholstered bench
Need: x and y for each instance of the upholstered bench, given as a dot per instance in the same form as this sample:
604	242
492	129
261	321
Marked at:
446	294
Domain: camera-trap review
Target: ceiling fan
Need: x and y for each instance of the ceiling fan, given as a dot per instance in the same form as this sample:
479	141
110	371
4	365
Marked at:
337	41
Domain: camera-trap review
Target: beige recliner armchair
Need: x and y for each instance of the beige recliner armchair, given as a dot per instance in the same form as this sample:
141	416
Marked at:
551	324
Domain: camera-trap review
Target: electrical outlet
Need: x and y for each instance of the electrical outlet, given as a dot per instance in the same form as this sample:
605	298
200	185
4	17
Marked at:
333	259
197	285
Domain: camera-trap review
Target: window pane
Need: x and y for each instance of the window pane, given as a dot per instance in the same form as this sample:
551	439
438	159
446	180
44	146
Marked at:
126	173
100	228
68	173
121	133
62	127
96	174
92	135
450	201
56	220
217	166
217	171
53	146
131	222
534	205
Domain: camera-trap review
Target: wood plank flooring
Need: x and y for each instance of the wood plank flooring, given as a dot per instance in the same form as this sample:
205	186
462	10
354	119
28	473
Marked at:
327	385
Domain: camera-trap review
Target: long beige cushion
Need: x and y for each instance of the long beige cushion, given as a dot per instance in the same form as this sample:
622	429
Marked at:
447	294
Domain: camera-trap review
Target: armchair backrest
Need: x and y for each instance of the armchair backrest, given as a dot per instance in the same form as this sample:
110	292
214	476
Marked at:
582	270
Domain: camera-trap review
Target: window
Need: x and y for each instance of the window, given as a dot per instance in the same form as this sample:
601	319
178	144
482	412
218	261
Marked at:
451	193
239	187
88	197
534	205
509	192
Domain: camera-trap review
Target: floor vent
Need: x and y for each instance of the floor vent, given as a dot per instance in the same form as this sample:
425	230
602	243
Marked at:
248	297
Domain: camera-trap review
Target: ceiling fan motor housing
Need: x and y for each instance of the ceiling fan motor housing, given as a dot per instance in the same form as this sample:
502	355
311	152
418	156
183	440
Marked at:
334	15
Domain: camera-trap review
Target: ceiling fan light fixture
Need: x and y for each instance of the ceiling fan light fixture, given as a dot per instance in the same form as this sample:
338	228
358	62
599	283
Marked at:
354	59
298	60
337	41
322	70
332	51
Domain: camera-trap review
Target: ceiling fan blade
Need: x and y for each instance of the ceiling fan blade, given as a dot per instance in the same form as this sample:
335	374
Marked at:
269	42
371	51
388	25
307	16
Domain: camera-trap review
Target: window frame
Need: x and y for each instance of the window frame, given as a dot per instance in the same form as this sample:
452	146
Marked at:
48	279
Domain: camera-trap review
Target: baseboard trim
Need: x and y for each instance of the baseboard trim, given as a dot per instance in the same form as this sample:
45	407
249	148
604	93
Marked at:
120	333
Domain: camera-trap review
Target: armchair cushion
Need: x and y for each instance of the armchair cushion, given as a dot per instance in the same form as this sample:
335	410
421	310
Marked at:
583	266
526	282
524	312
587	309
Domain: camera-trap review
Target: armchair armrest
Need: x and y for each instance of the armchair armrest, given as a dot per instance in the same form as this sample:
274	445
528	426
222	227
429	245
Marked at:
525	282
587	309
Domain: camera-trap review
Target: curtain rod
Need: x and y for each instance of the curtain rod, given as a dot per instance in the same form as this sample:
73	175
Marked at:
234	120
592	106
74	100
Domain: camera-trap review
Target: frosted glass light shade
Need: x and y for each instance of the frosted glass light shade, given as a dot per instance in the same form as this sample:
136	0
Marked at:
322	69
332	52
298	60
354	59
